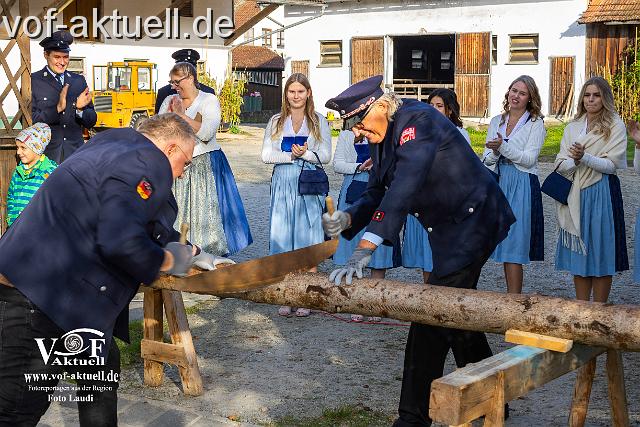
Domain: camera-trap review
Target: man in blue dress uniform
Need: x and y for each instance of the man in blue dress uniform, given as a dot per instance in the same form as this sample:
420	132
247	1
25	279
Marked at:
61	99
100	225
422	166
183	55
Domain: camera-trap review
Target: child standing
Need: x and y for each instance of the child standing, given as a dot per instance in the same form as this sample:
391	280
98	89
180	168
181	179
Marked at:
33	169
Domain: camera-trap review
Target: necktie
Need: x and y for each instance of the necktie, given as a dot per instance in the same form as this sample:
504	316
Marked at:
60	77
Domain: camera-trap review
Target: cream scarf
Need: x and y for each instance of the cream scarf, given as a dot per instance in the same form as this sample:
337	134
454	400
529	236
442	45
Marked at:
582	176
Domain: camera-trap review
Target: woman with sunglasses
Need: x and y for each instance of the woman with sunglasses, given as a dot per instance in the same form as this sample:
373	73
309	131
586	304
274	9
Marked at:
207	195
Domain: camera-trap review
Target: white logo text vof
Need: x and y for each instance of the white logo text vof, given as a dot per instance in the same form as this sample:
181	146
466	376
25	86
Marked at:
74	344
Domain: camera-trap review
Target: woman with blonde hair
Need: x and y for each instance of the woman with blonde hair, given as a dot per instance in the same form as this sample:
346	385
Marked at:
592	244
514	140
296	138
207	194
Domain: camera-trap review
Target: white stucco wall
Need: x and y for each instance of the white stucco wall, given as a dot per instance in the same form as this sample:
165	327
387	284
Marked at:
554	21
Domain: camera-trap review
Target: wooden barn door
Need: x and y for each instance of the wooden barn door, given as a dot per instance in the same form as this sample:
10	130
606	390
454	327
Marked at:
300	67
561	90
471	78
367	58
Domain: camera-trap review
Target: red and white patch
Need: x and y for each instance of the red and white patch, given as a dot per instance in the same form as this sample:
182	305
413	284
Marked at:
407	135
378	216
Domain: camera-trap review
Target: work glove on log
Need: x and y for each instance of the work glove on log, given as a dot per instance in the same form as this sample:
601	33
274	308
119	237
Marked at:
336	223
182	255
356	264
207	261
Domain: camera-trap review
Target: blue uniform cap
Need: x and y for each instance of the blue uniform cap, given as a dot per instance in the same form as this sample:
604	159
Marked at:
353	104
186	55
58	41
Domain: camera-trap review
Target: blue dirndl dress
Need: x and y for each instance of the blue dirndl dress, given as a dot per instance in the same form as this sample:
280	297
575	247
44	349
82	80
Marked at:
416	249
384	256
601	216
295	220
525	241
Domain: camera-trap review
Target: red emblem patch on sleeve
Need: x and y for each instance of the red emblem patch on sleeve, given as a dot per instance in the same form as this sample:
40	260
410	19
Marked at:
377	216
144	188
407	135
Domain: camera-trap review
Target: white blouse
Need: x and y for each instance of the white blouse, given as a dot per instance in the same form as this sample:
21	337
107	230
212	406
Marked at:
345	156
523	147
208	106
273	154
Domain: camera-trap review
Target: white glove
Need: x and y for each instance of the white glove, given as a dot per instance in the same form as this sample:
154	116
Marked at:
207	261
336	223
358	261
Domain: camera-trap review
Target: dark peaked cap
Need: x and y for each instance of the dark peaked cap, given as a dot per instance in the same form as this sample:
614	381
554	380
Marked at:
353	104
58	41
186	55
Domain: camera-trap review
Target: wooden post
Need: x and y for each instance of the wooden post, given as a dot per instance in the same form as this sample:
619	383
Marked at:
152	308
495	416
179	352
617	391
581	394
181	336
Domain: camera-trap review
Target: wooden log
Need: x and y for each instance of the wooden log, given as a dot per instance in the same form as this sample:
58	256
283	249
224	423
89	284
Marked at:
181	336
617	391
597	324
581	394
152	331
537	340
468	393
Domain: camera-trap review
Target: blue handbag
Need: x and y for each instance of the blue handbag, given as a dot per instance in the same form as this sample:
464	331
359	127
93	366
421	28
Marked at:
557	186
355	190
313	181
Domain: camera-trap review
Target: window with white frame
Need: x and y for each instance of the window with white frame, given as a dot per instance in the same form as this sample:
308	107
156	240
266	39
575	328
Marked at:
331	53
523	48
248	35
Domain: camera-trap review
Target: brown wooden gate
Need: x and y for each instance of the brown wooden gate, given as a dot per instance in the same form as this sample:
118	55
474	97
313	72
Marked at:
367	58
300	67
561	90
473	65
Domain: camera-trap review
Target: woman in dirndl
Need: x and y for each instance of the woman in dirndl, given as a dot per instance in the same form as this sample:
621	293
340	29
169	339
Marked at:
416	249
297	137
352	159
514	140
634	134
207	194
591	243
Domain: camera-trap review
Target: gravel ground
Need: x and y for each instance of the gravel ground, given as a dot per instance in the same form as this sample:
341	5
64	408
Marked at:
259	367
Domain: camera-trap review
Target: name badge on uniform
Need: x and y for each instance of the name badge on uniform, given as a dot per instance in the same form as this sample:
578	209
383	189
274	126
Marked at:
407	135
144	188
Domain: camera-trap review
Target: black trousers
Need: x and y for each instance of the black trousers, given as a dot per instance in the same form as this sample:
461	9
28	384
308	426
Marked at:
427	348
24	398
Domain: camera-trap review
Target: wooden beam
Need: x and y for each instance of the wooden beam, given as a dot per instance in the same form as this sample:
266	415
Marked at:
538	340
598	324
617	391
163	352
250	23
468	393
581	394
152	331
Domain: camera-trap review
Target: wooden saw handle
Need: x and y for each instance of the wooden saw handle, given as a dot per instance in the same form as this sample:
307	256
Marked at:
329	202
184	229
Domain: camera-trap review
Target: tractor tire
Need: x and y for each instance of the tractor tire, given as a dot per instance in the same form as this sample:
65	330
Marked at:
137	119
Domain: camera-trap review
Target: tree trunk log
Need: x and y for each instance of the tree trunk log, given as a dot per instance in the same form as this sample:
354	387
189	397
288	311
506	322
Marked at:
598	324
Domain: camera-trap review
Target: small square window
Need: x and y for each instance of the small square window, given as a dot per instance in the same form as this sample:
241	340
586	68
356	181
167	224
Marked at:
331	53
523	49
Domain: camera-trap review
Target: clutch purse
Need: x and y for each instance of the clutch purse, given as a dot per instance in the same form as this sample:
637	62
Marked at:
557	186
